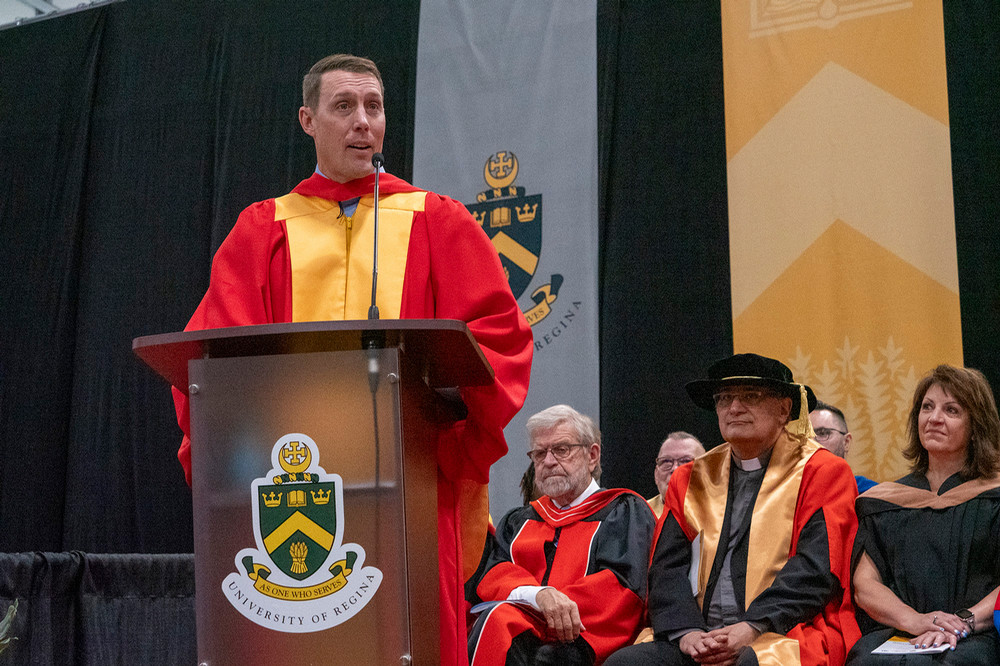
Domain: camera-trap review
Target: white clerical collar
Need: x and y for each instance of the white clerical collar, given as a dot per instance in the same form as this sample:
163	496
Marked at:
591	489
752	464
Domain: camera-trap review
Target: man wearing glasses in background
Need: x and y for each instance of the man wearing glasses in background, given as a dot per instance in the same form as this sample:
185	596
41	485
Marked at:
833	434
751	562
679	448
565	581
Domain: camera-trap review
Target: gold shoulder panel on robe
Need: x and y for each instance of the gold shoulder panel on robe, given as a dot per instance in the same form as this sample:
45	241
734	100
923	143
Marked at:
331	254
773	512
771	525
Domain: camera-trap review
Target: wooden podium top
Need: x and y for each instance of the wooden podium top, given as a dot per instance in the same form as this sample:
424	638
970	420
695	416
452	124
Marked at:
443	348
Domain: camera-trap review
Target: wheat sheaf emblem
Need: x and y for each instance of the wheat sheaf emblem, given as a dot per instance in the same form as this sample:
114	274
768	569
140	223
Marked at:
298	551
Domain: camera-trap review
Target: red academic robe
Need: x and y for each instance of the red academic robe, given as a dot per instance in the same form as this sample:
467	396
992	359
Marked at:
599	561
804	482
452	271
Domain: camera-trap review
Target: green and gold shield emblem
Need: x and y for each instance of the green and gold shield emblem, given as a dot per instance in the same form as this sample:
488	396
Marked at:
301	568
298	523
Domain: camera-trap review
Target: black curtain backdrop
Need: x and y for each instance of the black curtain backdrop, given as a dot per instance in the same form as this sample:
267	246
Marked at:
664	265
131	135
85	609
972	45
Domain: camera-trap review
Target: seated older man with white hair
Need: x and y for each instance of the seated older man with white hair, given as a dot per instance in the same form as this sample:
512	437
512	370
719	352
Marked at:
567	573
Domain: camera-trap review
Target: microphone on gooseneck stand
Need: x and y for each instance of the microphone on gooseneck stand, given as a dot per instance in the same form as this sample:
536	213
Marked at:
377	161
373	340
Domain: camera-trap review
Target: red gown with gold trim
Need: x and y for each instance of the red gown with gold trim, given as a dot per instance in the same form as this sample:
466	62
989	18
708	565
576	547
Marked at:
793	564
451	271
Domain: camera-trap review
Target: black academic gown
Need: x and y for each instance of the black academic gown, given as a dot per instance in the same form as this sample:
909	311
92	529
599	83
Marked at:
935	552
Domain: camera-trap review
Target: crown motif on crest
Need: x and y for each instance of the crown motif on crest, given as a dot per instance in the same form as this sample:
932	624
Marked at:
526	213
319	497
271	500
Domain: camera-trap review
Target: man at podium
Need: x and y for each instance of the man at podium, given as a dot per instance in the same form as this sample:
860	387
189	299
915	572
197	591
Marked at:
308	256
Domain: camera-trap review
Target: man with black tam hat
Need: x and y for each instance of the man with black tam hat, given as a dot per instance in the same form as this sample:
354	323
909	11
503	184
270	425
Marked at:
751	562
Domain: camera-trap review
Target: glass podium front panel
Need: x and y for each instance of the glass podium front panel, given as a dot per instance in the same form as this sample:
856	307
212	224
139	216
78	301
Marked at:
299	515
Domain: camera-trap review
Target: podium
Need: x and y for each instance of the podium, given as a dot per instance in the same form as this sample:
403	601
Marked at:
315	484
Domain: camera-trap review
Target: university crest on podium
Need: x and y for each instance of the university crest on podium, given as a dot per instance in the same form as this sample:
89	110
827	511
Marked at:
301	577
513	221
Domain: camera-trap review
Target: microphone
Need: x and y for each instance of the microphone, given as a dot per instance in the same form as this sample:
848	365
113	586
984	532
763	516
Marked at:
373	340
377	161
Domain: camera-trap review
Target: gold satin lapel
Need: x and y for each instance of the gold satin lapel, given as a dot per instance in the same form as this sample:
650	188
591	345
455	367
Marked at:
395	217
318	244
776	650
774	512
474	512
705	507
331	255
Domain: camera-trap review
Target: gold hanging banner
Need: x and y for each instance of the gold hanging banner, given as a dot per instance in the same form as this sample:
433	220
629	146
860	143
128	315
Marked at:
841	215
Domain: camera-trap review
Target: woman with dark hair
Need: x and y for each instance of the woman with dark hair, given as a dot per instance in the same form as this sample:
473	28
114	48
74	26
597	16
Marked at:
926	560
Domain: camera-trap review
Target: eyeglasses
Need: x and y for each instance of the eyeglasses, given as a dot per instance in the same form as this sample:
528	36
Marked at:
746	398
823	434
665	463
560	451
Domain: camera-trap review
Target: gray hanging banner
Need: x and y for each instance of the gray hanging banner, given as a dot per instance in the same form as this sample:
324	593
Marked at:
506	122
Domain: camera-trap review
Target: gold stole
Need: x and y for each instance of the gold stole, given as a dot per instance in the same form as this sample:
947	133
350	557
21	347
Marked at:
331	254
770	526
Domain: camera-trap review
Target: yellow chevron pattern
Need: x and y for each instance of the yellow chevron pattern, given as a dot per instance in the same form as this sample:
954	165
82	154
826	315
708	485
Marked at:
298	522
842	226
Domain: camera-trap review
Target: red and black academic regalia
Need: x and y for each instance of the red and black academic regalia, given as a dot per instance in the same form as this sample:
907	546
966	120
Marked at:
298	258
596	553
790	567
936	551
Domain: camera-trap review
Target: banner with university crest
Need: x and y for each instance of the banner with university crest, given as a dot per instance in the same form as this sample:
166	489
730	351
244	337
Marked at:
841	210
506	122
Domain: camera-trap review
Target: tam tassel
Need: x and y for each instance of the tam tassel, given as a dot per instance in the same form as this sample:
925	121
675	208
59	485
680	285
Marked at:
801	427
